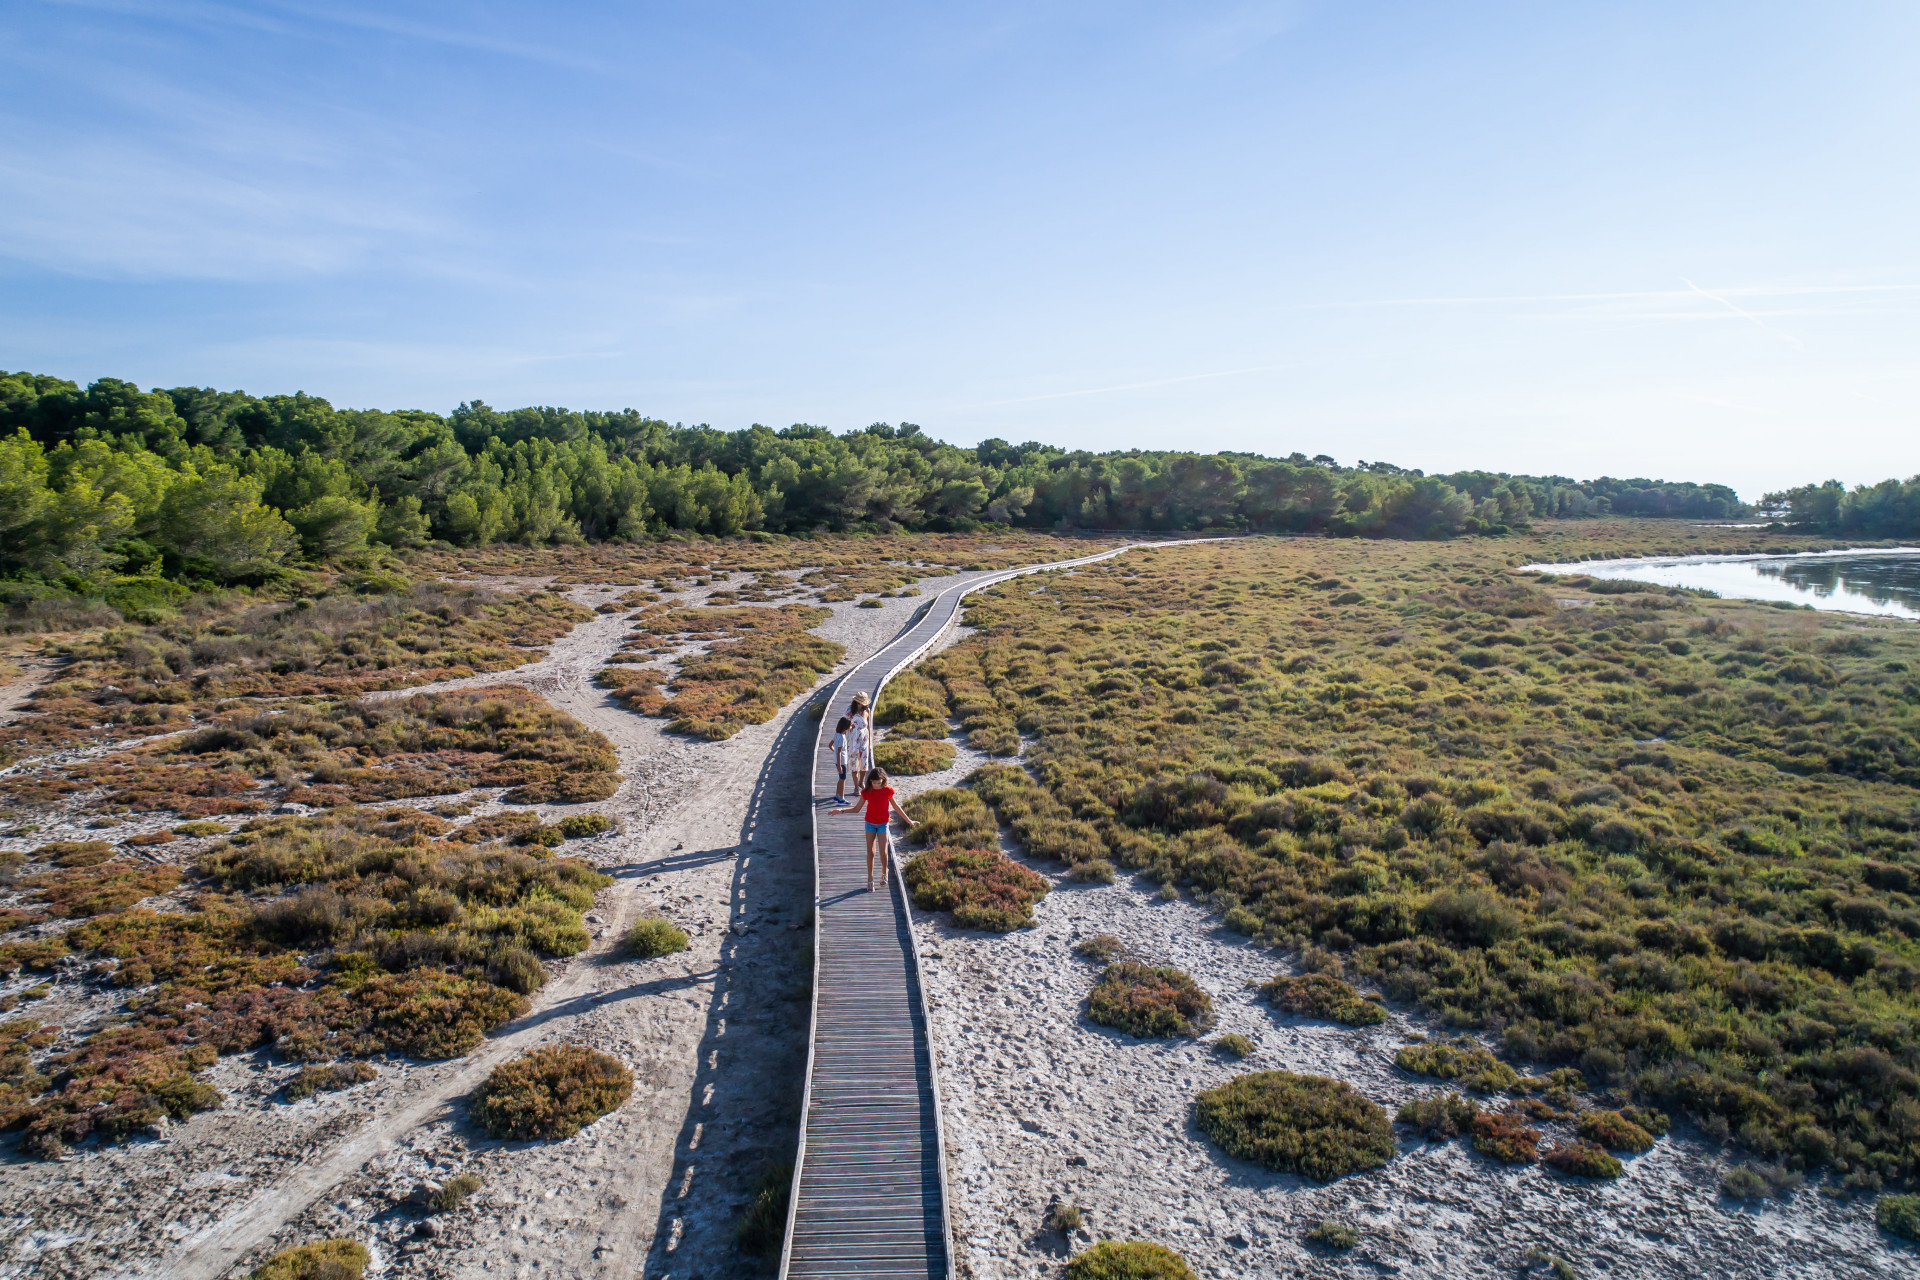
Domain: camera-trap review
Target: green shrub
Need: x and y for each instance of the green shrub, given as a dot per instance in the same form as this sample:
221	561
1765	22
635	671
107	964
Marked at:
334	1075
1506	1136
1585	1159
454	1192
196	829
1064	1218
871	604
1131	1260
319	1260
1439	1116
1335	1235
1462	1060
550	1093
912	756
1318	996
1654	1122
1234	1045
578	826
1899	1215
1614	1131
1759	1181
762	1229
651	937
983	888
1297	1124
1142	1000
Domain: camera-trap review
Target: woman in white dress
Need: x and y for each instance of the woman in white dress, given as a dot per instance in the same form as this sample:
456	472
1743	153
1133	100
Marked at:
860	740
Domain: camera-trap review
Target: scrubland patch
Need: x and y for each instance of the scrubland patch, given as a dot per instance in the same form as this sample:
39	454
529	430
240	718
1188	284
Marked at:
983	888
1128	1260
1319	996
1668	841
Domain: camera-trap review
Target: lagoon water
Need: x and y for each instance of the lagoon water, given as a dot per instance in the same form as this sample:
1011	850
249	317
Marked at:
1883	582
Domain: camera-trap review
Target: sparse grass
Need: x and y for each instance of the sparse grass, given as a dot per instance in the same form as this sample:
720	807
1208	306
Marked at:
1506	1136
756	661
1234	1045
953	817
652	937
318	1078
550	1093
1462	1060
1064	1218
455	1192
1439	1116
1291	1123
1318	996
319	1260
911	757
1128	1260
1335	1235
762	1229
984	889
1614	1131
1556	1266
1899	1215
1583	1159
1143	1000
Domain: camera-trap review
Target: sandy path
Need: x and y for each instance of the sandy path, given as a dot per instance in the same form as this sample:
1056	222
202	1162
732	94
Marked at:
34	672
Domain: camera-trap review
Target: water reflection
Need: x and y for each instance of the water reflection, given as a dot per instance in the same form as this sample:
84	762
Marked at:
1877	582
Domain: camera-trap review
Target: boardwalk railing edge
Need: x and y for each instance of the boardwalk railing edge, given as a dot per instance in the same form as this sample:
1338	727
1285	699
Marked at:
902	904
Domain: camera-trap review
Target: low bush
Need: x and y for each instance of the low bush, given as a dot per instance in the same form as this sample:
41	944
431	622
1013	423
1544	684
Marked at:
1614	1131
1315	995
1291	1123
871	604
1335	1235
550	1093
323	1079
1234	1045
195	830
652	936
762	1229
1439	1116
1899	1215
1654	1122
578	826
1143	1000
913	756
984	889
1462	1060
1583	1159
1759	1182
1128	1260
1064	1218
953	817
1506	1136
320	1260
1102	948
454	1192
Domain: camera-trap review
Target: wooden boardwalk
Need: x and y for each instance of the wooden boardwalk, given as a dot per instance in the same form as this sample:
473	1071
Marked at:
870	1182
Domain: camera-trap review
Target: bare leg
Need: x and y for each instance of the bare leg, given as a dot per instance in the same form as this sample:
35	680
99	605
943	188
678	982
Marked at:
871	837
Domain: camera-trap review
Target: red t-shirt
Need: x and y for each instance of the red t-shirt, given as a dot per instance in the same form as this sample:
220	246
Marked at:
879	803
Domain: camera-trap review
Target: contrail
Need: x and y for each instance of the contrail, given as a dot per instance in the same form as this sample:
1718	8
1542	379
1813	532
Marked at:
1778	333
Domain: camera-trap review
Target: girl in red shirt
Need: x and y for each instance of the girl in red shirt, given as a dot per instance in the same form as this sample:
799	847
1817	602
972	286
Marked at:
877	798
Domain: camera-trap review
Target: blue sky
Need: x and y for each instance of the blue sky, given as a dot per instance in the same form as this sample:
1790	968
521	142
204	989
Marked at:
1632	238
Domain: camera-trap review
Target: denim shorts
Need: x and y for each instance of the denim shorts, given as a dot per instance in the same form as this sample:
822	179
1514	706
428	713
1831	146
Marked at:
876	828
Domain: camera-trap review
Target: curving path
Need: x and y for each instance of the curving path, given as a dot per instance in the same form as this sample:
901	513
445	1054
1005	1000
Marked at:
870	1181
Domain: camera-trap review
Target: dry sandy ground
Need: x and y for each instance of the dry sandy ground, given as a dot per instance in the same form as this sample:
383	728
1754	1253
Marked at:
1042	1105
713	835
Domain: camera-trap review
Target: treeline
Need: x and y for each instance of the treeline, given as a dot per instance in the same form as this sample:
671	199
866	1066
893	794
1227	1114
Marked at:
225	486
1890	509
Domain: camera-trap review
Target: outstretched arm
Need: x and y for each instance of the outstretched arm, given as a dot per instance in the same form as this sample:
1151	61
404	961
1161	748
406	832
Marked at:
903	814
